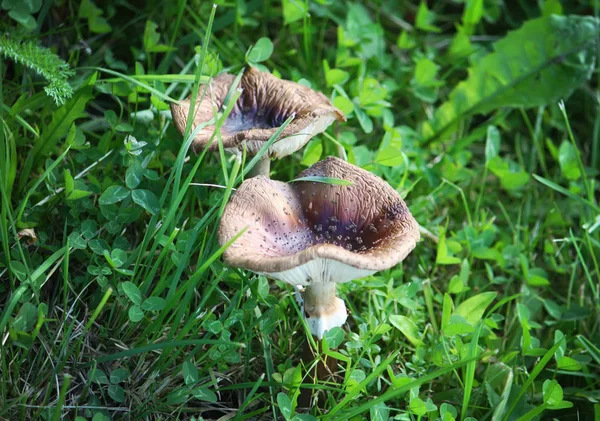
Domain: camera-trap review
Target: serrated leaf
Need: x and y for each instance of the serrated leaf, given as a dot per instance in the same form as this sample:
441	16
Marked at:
538	64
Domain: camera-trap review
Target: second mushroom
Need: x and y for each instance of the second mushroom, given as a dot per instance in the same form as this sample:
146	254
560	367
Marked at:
314	235
266	102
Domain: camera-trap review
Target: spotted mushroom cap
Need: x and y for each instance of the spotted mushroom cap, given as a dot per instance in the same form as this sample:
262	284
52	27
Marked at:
265	104
311	231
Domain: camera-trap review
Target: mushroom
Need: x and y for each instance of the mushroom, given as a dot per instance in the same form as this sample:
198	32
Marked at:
265	103
315	235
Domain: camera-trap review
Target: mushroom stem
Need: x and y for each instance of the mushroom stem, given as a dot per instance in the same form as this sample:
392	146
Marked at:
262	167
323	310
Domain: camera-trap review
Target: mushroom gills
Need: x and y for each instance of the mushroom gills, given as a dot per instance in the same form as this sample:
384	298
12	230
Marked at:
321	308
320	270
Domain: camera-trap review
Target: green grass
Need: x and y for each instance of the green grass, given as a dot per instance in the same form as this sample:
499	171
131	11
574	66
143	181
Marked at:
121	308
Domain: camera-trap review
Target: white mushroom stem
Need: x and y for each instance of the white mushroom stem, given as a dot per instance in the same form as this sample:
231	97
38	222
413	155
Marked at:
262	167
322	309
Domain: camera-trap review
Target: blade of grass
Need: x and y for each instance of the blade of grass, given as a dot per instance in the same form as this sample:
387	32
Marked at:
534	373
162	346
470	372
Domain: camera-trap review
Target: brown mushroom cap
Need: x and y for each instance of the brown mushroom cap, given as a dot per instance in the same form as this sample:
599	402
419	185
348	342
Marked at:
307	231
265	104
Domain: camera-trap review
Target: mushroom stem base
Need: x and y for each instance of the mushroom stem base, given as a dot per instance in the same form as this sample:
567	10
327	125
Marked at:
262	167
323	310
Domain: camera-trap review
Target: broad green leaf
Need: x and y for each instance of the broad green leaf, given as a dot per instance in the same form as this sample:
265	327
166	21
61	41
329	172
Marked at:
190	373
425	18
78	194
134	175
334	337
312	152
147	200
364	120
336	77
379	412
96	22
285	405
492	143
19	269
472	309
407	327
443	256
25	318
406	41
390	150
24	19
294	10
152	39
425	72
568	160
418	406
69	182
135	314
113	194
537	281
260	51
568	363
551	7
154	304
344	104
538	64
457	325
98	376
461	44
473	12
118	257
511	175
77	241
204	394
132	292
446	310
116	392
119	375
552	392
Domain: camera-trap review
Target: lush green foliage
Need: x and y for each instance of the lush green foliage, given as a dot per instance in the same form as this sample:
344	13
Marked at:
114	303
